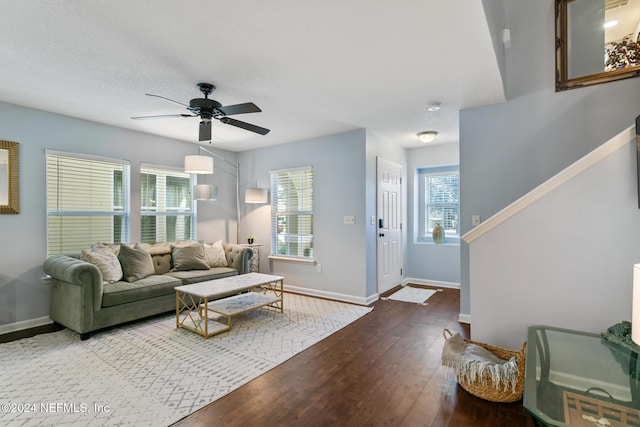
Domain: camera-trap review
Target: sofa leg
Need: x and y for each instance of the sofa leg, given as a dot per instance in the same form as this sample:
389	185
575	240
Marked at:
85	336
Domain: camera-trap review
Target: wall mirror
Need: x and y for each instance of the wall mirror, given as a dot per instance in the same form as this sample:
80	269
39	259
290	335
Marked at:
597	41
9	177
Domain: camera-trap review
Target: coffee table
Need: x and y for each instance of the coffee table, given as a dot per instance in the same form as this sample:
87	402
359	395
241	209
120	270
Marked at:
206	308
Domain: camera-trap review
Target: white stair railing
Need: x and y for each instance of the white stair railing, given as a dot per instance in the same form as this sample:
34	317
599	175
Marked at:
551	184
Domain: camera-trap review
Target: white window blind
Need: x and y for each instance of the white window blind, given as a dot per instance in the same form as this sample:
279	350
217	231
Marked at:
439	201
292	212
167	208
87	201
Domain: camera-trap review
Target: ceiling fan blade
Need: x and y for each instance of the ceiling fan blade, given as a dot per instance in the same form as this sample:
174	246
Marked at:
205	131
167	99
162	116
244	125
247	107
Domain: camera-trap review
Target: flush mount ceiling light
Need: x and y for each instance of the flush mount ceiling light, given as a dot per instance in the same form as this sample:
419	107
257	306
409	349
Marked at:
433	107
427	136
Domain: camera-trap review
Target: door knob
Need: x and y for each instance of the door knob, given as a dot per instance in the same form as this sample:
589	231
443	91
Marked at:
381	234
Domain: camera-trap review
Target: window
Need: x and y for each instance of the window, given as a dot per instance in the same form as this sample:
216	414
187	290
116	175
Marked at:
439	202
167	208
292	212
87	201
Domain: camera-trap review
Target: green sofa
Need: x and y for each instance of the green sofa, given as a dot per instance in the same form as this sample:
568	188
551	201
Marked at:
83	302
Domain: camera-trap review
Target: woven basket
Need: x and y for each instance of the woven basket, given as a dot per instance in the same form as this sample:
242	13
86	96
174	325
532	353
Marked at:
485	389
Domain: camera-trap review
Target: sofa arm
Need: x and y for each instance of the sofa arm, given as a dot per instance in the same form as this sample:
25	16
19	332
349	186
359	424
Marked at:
238	257
75	272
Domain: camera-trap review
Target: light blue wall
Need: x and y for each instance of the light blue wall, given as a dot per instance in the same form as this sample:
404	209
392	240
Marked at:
345	184
338	163
345	170
23	244
565	260
428	261
508	149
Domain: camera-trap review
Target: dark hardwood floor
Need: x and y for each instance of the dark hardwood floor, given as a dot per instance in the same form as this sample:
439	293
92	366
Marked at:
382	370
26	333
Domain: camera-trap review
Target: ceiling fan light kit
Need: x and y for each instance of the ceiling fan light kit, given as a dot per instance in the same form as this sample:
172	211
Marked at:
208	109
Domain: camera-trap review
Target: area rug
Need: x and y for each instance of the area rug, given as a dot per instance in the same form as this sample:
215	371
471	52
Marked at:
149	373
412	294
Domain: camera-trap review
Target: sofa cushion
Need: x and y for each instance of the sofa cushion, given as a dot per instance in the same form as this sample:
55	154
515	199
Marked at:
136	263
148	287
162	263
188	258
215	254
106	261
195	276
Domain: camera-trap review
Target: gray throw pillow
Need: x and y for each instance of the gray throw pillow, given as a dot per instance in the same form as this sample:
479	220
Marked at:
136	263
189	258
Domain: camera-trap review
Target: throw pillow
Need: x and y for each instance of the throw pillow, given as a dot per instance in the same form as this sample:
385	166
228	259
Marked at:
136	263
106	261
188	258
215	254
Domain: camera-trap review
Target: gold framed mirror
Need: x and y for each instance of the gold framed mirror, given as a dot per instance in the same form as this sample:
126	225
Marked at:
597	41
9	177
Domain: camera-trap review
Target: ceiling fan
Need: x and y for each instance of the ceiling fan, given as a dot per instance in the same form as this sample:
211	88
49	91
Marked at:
208	109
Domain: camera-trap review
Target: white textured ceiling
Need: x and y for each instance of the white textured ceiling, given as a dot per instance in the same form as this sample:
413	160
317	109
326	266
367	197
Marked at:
313	67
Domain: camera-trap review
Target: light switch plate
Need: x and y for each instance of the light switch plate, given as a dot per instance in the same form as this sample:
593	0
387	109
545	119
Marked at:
349	219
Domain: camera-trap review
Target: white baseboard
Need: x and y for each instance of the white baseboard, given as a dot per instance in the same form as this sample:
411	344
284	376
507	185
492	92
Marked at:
464	318
438	283
331	295
25	324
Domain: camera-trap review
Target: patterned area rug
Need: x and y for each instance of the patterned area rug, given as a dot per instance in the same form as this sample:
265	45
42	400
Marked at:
149	372
411	294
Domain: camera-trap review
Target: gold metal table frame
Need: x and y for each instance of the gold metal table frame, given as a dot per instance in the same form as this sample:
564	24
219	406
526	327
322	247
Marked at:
207	309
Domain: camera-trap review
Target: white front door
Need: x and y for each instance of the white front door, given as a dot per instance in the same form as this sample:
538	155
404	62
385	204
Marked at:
389	225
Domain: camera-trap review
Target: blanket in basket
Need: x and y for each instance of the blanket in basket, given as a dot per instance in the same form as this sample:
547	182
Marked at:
472	363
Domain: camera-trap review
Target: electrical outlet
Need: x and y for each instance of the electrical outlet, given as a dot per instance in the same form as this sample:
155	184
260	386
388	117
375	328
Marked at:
475	220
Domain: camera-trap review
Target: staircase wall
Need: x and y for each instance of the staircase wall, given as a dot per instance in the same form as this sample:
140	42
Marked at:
564	255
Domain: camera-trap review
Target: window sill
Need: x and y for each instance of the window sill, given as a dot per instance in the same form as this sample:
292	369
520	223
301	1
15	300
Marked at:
292	259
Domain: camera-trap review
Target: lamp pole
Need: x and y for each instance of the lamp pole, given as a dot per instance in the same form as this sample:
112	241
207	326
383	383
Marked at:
237	176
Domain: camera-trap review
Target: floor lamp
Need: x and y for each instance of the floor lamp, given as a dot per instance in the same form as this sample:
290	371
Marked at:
237	176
